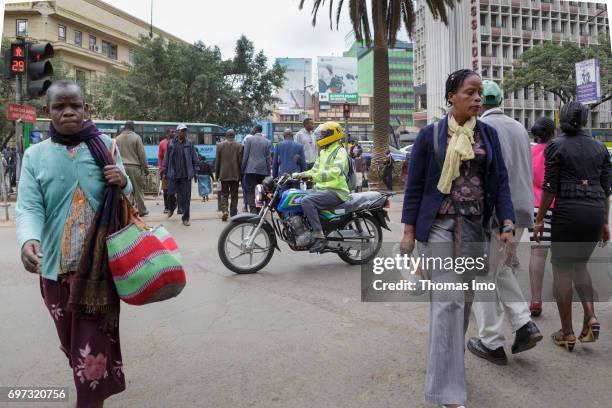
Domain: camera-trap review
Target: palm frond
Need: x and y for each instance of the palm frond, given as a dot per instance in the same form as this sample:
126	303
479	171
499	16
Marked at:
338	12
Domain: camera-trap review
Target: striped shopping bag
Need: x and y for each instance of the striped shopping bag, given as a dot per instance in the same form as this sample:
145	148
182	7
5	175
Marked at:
145	264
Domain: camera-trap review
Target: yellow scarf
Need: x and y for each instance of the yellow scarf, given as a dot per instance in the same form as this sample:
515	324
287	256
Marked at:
459	149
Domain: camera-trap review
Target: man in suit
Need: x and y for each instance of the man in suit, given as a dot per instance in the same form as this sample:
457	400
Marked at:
135	162
227	168
255	164
288	156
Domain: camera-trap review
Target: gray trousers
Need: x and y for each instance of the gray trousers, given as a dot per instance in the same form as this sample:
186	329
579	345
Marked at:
507	300
314	202
134	173
445	381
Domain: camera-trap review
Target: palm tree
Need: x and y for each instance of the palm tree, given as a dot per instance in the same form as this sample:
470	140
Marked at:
388	16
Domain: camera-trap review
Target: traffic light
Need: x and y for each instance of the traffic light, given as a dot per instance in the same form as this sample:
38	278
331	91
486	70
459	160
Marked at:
346	109
39	69
14	61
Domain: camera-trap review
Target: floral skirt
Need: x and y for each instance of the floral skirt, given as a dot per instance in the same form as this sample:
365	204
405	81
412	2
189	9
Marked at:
93	355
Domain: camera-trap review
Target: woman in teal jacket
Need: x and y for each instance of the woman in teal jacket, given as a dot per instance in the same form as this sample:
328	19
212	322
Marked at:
68	201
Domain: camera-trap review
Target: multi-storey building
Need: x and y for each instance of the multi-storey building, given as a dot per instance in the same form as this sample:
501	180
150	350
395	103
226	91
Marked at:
90	36
401	90
488	36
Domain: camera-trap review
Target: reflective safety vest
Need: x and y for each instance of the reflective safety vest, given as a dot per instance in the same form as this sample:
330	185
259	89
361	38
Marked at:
330	170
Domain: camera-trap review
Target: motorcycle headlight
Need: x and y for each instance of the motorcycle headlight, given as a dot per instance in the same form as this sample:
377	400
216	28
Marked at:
259	194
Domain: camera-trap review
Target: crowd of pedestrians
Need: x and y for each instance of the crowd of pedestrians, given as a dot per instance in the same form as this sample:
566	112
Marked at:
473	178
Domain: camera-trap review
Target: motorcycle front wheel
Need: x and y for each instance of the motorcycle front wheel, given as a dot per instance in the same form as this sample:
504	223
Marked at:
366	251
235	253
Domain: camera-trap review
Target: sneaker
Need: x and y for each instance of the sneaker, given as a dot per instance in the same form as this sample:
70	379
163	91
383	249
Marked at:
166	211
317	244
170	213
186	223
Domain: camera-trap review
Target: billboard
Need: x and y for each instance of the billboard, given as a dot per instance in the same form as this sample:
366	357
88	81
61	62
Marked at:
291	95
337	79
587	81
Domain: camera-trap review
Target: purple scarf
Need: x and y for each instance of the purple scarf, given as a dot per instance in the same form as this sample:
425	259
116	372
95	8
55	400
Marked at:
92	290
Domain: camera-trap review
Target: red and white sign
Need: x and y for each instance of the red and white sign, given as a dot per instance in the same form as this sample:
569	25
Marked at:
21	112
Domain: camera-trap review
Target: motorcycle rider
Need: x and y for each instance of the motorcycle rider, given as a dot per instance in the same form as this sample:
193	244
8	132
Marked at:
329	174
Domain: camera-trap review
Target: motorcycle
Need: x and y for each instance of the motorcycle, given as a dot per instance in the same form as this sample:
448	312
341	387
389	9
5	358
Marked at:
353	230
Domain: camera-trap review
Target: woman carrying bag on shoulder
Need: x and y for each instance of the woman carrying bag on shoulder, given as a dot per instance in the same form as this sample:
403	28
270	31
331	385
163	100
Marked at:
455	184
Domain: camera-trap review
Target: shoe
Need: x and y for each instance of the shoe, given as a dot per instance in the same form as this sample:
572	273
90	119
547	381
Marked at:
224	216
526	338
535	308
590	333
179	211
562	339
170	213
318	245
165	211
186	223
497	356
144	214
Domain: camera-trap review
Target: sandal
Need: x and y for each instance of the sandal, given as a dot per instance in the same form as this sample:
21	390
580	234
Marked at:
535	308
563	339
590	333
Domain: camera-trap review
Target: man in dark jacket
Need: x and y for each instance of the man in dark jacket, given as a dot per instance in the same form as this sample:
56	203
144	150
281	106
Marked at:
227	169
255	164
288	156
180	166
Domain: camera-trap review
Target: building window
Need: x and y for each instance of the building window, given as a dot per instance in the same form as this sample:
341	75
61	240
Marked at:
515	22
131	57
92	43
61	32
109	49
495	73
78	38
21	28
81	77
485	72
515	94
483	20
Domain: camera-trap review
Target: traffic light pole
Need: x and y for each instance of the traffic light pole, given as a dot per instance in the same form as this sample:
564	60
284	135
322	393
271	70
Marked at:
18	126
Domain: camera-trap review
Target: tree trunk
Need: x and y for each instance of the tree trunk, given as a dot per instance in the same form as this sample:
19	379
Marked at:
380	105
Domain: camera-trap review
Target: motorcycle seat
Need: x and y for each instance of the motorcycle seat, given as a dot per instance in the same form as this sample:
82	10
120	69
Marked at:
360	201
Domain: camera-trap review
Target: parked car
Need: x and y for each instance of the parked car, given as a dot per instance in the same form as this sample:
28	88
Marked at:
367	147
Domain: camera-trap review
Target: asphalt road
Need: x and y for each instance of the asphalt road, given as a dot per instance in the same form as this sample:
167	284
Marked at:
293	335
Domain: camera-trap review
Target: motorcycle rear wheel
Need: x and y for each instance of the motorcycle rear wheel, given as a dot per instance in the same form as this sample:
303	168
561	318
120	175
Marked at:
233	237
371	226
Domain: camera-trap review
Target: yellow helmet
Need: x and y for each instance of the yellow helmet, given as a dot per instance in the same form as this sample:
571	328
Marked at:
328	133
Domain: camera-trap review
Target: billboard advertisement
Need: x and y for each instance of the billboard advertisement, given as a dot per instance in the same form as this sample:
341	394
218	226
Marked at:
291	95
587	81
337	79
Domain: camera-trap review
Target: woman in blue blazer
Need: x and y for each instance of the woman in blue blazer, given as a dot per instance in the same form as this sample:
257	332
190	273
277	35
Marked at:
466	178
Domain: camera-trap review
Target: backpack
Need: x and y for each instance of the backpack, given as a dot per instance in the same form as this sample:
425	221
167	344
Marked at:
351	175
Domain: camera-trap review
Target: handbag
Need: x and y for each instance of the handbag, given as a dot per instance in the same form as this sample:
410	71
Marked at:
145	262
472	238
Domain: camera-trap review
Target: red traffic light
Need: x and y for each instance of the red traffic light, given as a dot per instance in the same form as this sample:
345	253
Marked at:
17	61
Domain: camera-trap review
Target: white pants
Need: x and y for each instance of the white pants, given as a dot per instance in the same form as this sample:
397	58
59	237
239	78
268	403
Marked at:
508	299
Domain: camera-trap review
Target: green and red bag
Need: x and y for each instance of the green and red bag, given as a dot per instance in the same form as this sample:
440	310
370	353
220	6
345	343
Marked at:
145	263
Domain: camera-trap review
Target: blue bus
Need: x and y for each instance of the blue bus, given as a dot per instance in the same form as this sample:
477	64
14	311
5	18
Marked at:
204	136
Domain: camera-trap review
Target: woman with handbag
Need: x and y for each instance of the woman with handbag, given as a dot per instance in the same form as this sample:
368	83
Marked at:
576	176
69	202
456	181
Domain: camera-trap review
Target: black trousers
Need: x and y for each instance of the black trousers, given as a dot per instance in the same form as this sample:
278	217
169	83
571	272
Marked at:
229	190
388	177
166	199
251	180
182	187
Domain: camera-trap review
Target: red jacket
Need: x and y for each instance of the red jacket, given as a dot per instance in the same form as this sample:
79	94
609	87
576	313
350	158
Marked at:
161	153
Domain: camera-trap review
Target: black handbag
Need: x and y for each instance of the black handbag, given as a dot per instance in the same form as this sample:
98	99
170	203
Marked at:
472	239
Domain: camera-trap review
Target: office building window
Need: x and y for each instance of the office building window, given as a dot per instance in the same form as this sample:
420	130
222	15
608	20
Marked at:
92	43
78	38
61	32
21	28
483	20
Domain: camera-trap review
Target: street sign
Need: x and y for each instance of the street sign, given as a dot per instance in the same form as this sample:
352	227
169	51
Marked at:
340	98
588	89
21	112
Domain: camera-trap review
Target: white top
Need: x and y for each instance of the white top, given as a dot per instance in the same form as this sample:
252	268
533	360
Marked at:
307	139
